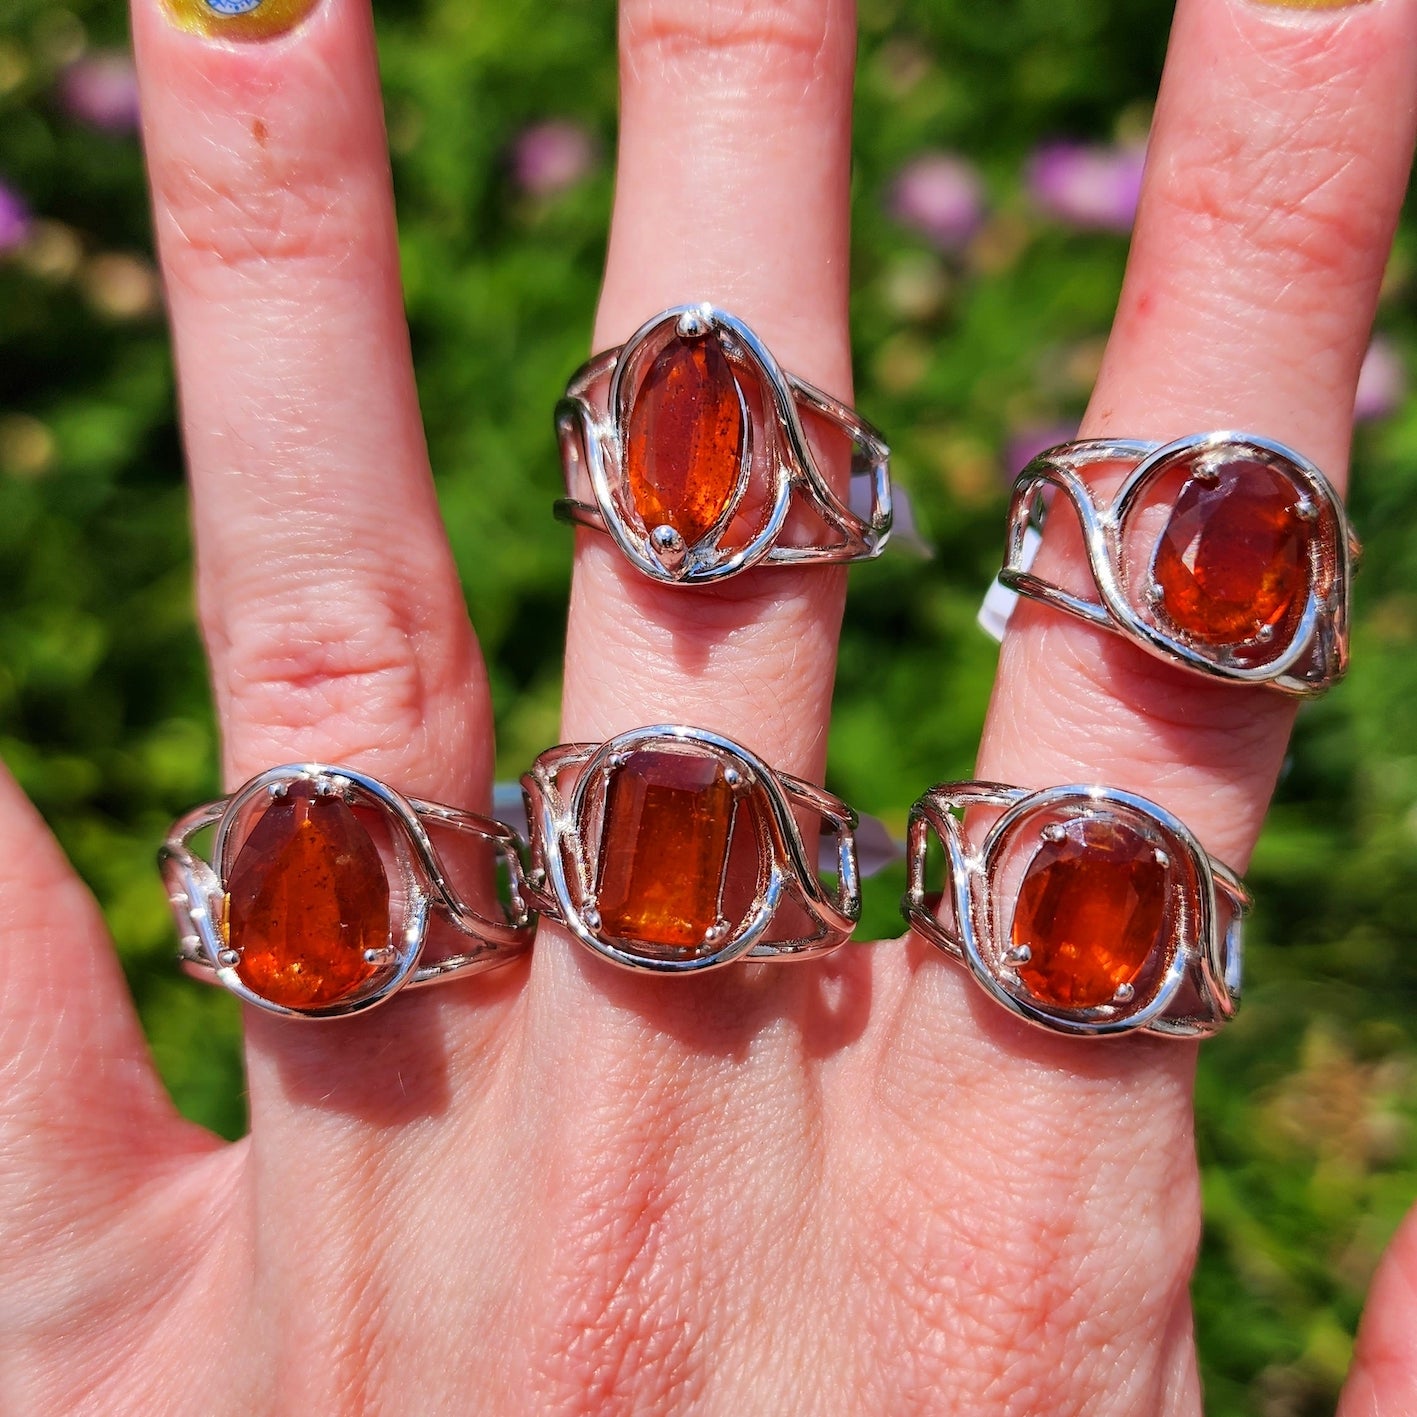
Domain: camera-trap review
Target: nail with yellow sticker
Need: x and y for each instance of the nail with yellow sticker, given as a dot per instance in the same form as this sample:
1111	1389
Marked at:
239	19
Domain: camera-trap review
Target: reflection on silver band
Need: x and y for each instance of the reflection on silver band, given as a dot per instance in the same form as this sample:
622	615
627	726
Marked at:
758	895
1310	653
593	425
1189	983
197	888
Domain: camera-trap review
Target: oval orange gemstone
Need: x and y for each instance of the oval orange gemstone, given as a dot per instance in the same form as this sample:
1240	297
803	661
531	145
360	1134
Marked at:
664	848
306	897
1233	560
1091	910
686	436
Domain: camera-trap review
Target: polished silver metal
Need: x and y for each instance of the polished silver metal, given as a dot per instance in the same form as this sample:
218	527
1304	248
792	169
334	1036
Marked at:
1195	986
592	424
1316	655
566	791
197	887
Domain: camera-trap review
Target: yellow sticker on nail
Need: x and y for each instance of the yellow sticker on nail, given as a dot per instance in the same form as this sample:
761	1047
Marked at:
239	19
1313	4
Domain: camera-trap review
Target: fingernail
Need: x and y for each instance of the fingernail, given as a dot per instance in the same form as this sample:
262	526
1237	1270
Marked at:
238	19
1314	4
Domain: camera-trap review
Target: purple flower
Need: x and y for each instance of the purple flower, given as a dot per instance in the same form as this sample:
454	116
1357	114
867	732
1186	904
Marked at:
550	157
1029	439
940	196
14	220
1382	382
1089	187
102	91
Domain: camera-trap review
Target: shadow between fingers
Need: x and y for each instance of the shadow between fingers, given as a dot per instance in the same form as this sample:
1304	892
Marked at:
390	1066
722	1013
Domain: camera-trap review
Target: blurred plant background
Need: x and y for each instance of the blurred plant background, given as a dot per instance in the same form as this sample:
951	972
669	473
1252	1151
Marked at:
998	151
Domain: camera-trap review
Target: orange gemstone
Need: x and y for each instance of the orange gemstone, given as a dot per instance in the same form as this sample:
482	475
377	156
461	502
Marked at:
668	819
1233	560
306	897
686	435
1091	910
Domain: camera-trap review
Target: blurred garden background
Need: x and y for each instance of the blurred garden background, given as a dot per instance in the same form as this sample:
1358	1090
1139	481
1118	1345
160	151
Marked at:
998	150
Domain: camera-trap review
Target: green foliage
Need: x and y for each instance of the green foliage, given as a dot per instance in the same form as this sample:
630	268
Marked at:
1305	1106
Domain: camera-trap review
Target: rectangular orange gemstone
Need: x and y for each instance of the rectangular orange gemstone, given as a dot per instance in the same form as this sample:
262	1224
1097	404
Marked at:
663	847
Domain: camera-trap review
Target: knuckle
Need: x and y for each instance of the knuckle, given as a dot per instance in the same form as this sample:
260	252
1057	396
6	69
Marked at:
1294	216
1014	1304
787	38
249	205
358	668
618	1333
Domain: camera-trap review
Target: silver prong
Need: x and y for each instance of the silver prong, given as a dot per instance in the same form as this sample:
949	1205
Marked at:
1154	594
732	777
1264	634
1124	995
1054	832
1305	510
668	547
1018	954
591	917
328	786
537	876
383	955
618	760
1161	858
228	958
278	790
694	323
716	933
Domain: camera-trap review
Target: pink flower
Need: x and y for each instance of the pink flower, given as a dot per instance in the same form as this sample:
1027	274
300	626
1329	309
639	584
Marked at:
940	196
550	157
1382	382
102	91
1091	188
1029	439
14	220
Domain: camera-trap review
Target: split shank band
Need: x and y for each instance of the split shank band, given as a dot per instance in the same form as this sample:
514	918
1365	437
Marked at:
1082	909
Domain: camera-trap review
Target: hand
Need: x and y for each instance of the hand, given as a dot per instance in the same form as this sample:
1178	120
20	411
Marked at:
850	1187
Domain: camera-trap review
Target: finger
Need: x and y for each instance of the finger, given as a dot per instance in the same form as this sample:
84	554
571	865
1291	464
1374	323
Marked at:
328	595
81	1107
732	189
1383	1379
1278	159
732	184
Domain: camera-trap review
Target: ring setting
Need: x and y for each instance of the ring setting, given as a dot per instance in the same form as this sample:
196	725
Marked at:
1225	553
672	850
687	444
322	883
1084	910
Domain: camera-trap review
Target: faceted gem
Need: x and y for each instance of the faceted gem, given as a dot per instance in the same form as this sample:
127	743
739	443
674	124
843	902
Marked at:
306	897
668	819
1090	912
686	436
1233	560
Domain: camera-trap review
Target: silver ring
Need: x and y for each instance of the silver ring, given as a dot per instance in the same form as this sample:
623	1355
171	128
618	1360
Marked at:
1277	611
686	444
319	840
1026	907
673	850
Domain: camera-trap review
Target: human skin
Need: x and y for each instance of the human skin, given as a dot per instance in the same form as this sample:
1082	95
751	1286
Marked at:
855	1186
